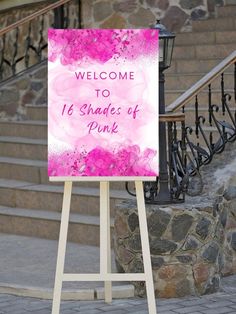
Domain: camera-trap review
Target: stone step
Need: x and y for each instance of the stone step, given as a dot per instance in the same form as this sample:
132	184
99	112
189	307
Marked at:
35	171
44	224
37	112
29	129
205	38
32	273
222	23
226	11
15	193
192	66
203	52
172	95
185	81
22	147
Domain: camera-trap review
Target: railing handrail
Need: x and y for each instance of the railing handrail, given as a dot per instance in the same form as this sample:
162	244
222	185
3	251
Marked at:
33	16
203	82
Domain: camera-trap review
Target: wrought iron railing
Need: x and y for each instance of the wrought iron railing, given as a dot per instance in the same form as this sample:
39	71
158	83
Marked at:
210	123
214	119
24	43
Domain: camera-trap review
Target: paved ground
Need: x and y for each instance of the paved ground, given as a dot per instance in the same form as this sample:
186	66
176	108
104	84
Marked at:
219	303
31	262
28	262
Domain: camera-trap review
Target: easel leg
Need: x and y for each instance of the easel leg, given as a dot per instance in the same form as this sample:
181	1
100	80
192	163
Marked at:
62	247
145	247
105	238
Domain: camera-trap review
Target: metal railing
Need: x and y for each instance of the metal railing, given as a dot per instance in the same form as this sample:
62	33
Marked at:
192	144
214	124
24	43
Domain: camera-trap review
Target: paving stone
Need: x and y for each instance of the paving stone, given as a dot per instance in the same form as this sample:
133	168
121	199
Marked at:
223	310
167	307
140	312
44	311
190	309
193	302
218	304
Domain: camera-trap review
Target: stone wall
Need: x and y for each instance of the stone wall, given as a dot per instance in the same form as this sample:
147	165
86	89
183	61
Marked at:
26	88
186	247
177	15
192	244
228	207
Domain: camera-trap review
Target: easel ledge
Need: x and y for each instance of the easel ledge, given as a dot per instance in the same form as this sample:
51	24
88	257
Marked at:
100	179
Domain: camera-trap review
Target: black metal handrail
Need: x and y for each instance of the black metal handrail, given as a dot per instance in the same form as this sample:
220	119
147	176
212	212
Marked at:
190	145
212	128
24	43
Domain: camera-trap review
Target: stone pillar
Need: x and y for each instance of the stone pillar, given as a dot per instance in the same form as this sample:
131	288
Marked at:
228	208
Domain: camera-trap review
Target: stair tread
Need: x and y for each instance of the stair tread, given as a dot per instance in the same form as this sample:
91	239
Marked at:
26	122
200	33
24	162
192	108
202	91
49	215
36	106
22	140
199	74
86	191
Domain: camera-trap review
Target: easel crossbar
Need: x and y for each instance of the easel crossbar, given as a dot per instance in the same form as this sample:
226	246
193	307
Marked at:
104	277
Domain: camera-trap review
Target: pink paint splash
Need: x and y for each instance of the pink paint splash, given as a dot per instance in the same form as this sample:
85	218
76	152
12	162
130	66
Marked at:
128	161
73	46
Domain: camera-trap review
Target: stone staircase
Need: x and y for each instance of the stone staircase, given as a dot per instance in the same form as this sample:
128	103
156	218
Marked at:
195	54
30	205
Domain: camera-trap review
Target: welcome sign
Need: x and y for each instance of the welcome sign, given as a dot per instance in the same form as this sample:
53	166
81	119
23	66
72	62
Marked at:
103	103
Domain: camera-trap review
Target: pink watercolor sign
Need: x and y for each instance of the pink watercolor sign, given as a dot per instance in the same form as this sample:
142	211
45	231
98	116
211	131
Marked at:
103	103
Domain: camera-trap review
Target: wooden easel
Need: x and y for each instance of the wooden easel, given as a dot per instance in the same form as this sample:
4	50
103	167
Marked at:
105	247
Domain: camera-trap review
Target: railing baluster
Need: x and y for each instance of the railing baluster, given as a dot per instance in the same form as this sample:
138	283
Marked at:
183	141
210	104
39	49
2	56
223	93
80	23
28	43
66	16
170	145
59	17
13	63
196	116
235	81
211	140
